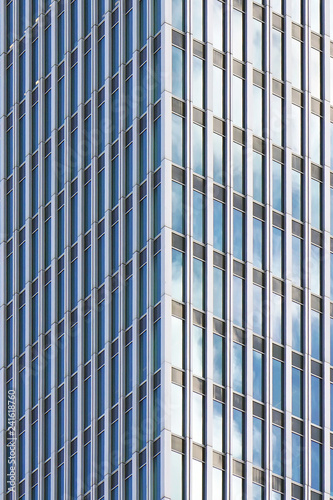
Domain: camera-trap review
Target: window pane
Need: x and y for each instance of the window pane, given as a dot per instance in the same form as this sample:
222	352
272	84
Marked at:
296	123
218	226
237	101
197	19
315	335
258	442
258	227
316	466
178	207
277	266
297	393
198	284
237	438
217	92
258	111
198	350
177	275
277	436
217	426
315	204
177	140
258	378
237	34
218	360
276	58
277	174
218	156
297	458
257	310
315	270
198	82
176	409
177	476
218	25
277	384
238	367
297	260
178	17
296	54
258	177
257	44
316	402
238	237
218	284
178	80
297	195
197	418
198	149
315	138
238	301
238	168
177	342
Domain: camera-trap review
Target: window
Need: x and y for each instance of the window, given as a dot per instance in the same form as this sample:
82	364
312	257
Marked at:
237	34
258	122
277	266
276	57
218	224
315	15
315	269
176	409
197	416
276	120
198	284
277	321
316	466
316	204
315	138
217	426
258	375
297	198
178	140
177	328
258	231
238	436
198	19
297	393
257	44
218	284
218	359
277	442
278	183
258	310
238	368
238	298
296	136
296	54
177	476
198	216
238	168
258	178
177	275
198	351
218	25
258	442
297	261
218	157
237	101
178	207
198	82
278	384
316	401
316	341
178	14
297	458
198	149
178	79
217	92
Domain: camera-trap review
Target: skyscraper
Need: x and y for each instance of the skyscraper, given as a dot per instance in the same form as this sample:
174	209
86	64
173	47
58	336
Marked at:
166	249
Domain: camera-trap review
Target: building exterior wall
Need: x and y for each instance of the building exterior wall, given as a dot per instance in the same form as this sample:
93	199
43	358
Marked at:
166	248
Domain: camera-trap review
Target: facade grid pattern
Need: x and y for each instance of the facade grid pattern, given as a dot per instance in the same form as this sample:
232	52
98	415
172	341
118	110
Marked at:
166	248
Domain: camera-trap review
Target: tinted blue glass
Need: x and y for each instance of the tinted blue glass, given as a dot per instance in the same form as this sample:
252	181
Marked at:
101	260
21	76
277	450
315	270
87	271
316	403
115	50
218	158
178	80
115	248
143	290
198	284
22	139
238	368
143	23
278	384
297	326
115	181
114	446
258	177
198	216
258	228
74	24
218	226
316	466
258	378
238	299
101	193
74	154
10	88
143	156
48	50
315	335
143	423
128	302
218	307
297	458
22	202
277	252
157	210
115	380
297	261
218	360
258	442
177	275
237	101
315	138
297	195
238	236
143	223
238	168
177	140
142	357
87	402
74	88
297	393
238	437
178	17
143	88
277	174
129	368
178	207
157	143
315	204
198	82
129	235
257	309
129	102
198	149
10	155
101	62
61	37
35	68
87	467
74	287
129	35
217	426
157	278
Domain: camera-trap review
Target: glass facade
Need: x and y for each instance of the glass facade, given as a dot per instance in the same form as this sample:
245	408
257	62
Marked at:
166	214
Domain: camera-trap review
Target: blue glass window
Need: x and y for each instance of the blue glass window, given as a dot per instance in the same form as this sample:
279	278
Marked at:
177	275
238	436
315	270
178	207
237	101
217	92
238	299
178	74
297	342
258	376
217	426
316	204
198	19
258	178
297	261
177	342
277	442
238	368
176	409
297	393
218	284
238	167
297	458
218	226
178	140
198	82
198	216
178	14
278	384
238	236
237	34
277	266
316	466
198	350
198	149
257	310
218	157
198	284
258	442
218	360
316	401
258	232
